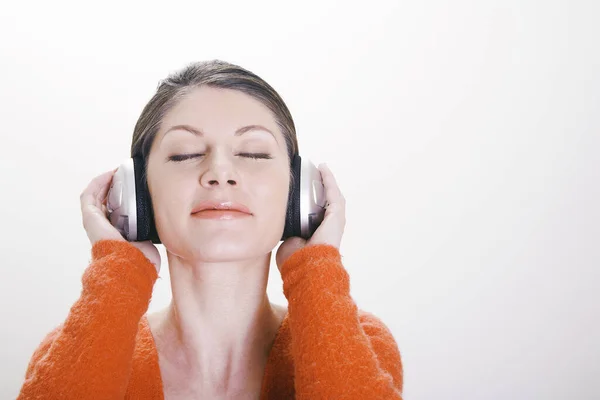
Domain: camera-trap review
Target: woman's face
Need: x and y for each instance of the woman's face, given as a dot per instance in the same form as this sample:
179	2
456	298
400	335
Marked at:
222	146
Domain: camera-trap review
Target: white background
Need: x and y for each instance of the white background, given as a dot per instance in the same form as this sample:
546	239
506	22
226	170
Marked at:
465	136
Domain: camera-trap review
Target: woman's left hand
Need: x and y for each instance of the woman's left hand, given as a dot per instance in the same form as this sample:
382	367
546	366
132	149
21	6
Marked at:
330	230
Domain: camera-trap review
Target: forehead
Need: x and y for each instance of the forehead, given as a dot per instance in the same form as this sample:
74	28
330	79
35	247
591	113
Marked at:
216	110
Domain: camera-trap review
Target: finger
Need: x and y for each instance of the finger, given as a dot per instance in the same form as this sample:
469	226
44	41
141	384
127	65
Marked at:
332	190
97	190
104	186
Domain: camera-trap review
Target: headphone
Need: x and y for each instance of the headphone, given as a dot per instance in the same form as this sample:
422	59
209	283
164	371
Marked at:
130	207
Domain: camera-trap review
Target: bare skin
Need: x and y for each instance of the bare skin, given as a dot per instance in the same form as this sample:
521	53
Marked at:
179	382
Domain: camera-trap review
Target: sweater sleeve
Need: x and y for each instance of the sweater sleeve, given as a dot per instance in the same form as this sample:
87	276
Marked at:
338	352
90	354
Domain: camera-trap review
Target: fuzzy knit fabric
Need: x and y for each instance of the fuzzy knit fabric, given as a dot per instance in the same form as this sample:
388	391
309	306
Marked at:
325	348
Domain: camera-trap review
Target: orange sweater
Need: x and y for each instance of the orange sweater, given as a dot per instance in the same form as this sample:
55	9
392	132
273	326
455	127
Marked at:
325	348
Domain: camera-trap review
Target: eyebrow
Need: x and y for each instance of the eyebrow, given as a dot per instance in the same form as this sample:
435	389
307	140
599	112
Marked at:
238	132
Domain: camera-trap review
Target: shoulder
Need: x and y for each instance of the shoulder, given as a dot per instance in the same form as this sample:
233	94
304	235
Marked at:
384	345
377	331
42	349
380	336
373	325
47	341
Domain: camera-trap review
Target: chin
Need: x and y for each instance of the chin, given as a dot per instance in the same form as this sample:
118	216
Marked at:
226	246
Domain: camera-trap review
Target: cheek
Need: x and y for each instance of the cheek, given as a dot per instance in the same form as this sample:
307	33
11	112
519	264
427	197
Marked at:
169	197
272	195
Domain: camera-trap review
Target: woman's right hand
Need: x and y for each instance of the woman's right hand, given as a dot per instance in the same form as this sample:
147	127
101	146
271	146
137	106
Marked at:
95	221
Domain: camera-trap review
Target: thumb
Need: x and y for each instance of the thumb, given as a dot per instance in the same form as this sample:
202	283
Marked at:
288	248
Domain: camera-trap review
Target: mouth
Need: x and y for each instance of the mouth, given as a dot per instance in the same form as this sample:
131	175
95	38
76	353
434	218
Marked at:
220	214
221	210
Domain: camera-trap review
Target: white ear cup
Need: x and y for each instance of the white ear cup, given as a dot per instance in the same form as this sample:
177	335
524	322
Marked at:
312	198
121	203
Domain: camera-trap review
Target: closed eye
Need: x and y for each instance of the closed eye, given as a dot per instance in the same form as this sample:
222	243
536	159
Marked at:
183	157
255	156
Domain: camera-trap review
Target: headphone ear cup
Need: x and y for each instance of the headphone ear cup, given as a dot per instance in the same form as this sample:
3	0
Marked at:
292	217
146	228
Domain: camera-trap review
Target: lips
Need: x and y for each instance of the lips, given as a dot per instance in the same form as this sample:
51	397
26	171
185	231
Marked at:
222	206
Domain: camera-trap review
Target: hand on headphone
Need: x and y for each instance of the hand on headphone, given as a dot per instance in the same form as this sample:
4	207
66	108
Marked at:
95	221
331	229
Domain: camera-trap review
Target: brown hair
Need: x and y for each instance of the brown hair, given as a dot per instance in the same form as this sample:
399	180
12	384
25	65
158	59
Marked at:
214	73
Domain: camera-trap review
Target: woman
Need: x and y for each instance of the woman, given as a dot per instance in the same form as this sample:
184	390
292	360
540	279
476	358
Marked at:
215	132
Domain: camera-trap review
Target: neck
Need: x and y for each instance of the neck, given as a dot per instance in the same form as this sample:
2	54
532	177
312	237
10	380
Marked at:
220	320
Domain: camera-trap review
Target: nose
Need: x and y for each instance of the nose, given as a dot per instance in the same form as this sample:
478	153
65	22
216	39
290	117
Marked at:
217	182
220	172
